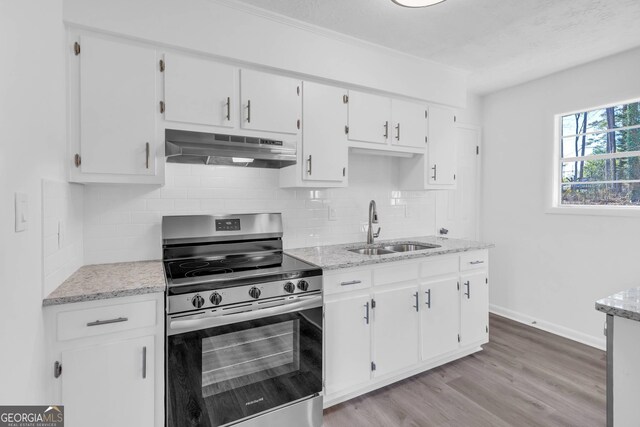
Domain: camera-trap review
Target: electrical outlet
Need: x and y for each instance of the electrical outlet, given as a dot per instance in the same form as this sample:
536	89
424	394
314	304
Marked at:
333	215
61	234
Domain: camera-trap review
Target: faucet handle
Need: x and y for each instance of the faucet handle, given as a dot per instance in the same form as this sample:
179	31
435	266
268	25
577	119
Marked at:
377	233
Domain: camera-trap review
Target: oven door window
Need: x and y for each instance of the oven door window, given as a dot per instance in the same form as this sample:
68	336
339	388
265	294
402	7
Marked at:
223	374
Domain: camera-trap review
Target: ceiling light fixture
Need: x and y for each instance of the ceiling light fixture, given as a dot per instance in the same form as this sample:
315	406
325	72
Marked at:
416	3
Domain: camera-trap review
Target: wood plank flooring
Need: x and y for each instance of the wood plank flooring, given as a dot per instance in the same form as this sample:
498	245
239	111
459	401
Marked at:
523	377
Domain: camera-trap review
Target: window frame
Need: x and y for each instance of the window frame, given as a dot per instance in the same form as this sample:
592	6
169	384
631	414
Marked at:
556	205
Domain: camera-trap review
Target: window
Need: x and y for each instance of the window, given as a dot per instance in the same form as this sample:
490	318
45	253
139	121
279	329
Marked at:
599	162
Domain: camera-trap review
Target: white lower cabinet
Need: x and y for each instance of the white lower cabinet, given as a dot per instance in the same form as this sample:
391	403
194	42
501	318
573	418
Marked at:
439	313
110	355
348	353
395	329
386	322
474	300
110	385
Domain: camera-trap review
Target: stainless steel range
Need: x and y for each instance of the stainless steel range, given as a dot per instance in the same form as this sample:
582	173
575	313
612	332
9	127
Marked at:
244	325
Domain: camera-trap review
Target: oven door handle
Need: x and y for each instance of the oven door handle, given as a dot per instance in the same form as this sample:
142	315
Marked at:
211	321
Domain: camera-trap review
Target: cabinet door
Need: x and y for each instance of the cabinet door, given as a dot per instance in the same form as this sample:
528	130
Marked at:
347	343
110	385
118	107
270	103
441	147
395	329
409	124
474	307
369	117
199	91
439	317
324	143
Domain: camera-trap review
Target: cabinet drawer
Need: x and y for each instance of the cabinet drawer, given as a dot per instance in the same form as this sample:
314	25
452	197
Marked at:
346	280
474	260
395	274
439	267
105	320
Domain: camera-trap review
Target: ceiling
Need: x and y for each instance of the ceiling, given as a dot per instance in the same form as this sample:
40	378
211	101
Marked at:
500	42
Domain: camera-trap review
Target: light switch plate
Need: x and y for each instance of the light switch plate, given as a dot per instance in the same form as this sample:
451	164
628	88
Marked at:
22	212
333	215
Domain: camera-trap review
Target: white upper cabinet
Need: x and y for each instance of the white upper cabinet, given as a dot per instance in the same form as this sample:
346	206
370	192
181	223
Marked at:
324	142
269	102
200	91
409	124
369	117
441	145
113	125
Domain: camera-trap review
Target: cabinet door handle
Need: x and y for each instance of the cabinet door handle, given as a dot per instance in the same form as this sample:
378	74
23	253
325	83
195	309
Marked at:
144	362
428	292
435	172
476	262
468	293
228	108
352	282
309	165
148	149
106	322
416	306
249	111
398	132
386	129
366	315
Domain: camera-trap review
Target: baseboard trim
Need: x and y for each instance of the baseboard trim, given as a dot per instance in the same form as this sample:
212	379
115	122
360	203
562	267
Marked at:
599	343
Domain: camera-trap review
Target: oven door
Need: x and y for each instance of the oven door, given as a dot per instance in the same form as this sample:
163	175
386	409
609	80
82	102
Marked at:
229	367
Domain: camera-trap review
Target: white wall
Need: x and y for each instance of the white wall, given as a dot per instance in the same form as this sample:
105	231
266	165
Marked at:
32	119
243	34
551	268
122	222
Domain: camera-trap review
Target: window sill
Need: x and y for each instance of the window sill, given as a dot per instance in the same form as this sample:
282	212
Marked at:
622	211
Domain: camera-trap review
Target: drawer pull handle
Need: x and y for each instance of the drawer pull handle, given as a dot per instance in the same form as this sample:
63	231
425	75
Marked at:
144	362
106	322
353	282
476	262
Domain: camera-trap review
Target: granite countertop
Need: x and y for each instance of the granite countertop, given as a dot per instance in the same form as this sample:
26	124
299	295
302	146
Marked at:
102	281
622	304
338	256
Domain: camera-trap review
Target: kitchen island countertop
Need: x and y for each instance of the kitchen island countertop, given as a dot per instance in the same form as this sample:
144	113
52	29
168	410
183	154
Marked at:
333	257
103	281
622	304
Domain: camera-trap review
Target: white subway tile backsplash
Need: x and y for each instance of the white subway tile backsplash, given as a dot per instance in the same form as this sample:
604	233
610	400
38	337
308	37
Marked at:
136	211
62	232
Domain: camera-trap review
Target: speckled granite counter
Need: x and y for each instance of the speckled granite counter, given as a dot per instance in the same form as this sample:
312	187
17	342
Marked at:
622	304
338	256
102	281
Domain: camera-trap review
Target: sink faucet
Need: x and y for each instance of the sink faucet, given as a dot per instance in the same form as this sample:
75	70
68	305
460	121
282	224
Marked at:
373	219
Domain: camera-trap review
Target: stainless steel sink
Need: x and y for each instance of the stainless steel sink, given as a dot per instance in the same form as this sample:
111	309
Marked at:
371	251
391	249
408	247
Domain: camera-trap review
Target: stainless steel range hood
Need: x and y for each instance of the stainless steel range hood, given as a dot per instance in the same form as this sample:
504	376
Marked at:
183	146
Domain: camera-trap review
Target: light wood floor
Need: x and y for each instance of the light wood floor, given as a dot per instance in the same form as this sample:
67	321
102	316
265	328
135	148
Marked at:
523	377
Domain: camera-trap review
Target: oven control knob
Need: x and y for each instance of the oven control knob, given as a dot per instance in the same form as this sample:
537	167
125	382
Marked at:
303	285
197	301
254	292
289	287
215	298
